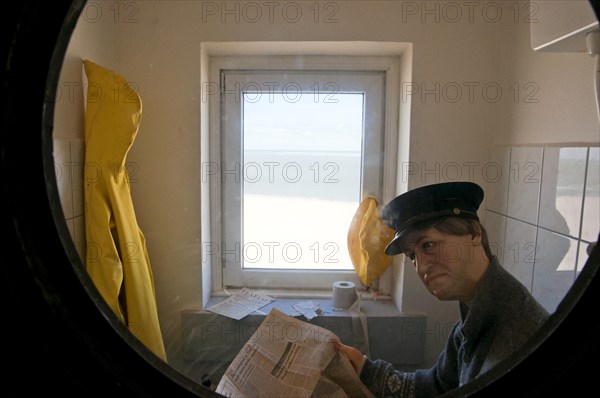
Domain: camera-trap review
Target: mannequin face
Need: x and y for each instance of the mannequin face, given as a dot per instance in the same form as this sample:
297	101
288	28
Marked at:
450	266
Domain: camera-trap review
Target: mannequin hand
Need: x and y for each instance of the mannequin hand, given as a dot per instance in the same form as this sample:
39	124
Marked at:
354	355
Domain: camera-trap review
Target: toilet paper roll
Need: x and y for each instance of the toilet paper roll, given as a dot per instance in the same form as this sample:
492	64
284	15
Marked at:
344	295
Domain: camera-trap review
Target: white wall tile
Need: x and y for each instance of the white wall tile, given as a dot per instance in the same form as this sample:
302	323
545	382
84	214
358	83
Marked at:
79	236
69	159
554	270
583	255
543	201
519	250
70	226
495	225
77	162
62	158
591	209
495	174
524	177
561	195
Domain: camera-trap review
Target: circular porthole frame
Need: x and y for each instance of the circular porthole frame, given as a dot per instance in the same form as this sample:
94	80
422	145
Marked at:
63	338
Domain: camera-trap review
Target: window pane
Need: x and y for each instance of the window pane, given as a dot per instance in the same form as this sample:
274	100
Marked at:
302	178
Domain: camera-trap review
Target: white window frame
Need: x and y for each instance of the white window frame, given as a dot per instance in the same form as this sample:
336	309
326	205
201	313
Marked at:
387	65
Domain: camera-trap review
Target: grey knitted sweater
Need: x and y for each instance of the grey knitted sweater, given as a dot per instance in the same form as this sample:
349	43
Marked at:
502	317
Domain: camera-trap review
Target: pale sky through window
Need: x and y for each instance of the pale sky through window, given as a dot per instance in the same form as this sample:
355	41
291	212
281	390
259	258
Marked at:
303	121
321	136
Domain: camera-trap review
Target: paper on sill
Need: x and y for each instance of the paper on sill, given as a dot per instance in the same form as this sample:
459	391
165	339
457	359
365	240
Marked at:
241	304
309	309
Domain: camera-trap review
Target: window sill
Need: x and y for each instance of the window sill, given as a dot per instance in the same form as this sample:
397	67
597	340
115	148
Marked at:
299	294
286	298
210	341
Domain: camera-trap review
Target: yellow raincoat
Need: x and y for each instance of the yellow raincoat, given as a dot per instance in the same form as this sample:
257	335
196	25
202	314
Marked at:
117	259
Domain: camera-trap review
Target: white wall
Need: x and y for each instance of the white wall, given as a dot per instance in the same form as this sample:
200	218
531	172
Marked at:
159	50
556	103
94	38
161	54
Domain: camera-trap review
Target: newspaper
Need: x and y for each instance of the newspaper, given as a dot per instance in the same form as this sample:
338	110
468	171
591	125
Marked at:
287	357
241	304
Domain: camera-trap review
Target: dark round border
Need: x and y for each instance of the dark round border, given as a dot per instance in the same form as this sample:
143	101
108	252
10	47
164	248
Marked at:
61	336
57	340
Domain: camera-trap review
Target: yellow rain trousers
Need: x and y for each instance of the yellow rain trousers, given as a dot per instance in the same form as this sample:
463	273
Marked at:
117	260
